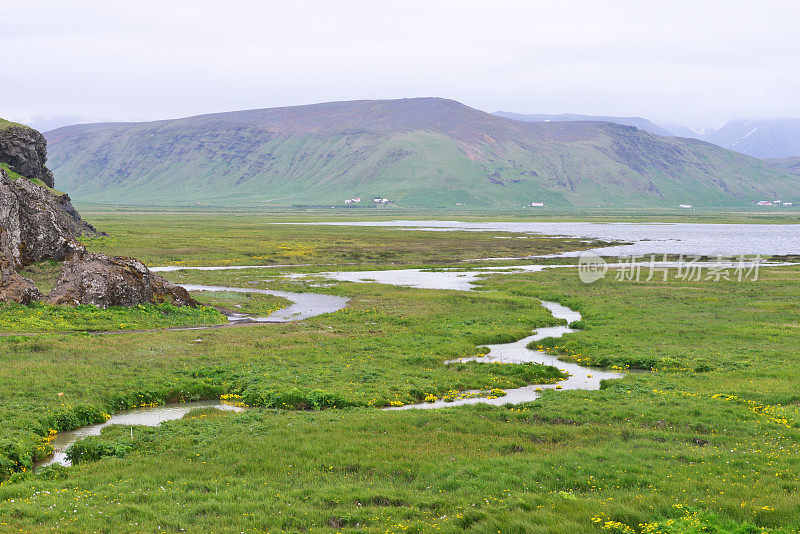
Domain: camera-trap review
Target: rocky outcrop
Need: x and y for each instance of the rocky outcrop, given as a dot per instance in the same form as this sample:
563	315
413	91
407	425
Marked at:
80	226
34	225
104	281
38	224
25	151
14	287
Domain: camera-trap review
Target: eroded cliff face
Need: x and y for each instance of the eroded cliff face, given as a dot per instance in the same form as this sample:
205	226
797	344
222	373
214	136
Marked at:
37	225
33	224
25	151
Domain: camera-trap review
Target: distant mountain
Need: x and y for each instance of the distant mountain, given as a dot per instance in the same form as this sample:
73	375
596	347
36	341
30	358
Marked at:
419	152
790	165
45	123
777	138
637	122
679	130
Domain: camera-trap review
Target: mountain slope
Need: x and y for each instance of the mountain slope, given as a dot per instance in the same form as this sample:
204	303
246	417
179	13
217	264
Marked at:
778	138
637	122
790	165
423	152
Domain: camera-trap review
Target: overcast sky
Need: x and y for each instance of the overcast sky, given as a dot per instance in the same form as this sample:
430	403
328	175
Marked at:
694	62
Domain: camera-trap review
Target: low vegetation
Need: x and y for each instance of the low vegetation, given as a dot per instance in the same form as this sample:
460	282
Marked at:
15	176
39	317
705	438
185	240
254	304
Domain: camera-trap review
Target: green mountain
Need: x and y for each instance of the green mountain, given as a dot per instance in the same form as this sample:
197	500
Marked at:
790	165
420	152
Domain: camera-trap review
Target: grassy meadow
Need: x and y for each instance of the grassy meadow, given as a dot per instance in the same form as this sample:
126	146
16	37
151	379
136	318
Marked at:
220	239
705	438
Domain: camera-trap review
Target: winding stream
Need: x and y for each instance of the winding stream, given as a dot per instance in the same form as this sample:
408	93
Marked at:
518	352
303	305
659	238
150	416
306	305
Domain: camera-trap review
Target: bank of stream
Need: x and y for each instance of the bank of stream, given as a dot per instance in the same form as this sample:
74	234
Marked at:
306	305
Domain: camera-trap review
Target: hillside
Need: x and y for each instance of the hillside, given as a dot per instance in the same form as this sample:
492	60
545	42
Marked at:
777	138
637	122
790	165
423	152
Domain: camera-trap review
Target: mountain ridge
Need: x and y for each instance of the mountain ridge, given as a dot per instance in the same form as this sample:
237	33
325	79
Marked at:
637	122
418	152
764	138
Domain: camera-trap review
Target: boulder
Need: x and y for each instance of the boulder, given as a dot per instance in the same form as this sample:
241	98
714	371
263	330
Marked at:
25	150
14	287
105	281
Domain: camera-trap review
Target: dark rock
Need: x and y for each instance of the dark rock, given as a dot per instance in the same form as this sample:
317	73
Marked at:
14	287
81	227
25	150
33	224
105	281
38	224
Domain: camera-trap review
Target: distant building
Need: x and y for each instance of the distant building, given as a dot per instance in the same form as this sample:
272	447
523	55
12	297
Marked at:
381	201
763	203
687	206
787	204
352	200
536	204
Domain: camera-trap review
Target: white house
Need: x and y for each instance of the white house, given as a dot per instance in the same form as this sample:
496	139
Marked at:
686	206
536	204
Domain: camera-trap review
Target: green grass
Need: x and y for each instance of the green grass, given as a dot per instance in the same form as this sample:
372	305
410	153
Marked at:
201	239
44	274
8	124
247	303
15	176
467	160
709	441
40	317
